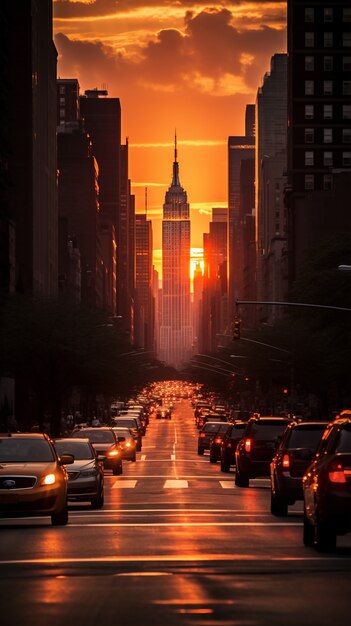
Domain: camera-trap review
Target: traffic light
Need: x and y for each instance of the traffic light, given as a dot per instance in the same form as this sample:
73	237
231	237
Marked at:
236	328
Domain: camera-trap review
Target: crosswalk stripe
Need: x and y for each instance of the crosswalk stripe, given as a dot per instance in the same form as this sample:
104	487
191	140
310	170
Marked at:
227	484
124	484
175	484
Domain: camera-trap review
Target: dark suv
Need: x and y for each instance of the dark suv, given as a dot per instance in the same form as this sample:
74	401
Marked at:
293	456
229	444
327	487
257	447
208	432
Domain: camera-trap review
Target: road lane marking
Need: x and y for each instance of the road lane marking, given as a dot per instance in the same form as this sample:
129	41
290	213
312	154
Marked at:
227	484
176	484
143	457
124	484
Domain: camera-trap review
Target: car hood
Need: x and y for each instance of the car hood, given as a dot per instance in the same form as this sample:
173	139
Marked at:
81	465
23	469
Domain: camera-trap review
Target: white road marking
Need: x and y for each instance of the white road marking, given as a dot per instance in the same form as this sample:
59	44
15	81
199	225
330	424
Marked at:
124	484
176	484
227	484
143	457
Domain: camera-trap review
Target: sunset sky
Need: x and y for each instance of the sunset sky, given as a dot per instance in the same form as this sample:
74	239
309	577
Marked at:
174	64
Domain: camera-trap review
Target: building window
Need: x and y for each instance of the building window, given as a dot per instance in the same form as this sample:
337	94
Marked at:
328	39
327	159
309	111
346	135
309	40
62	113
328	64
327	182
328	87
328	111
309	15
346	15
62	90
346	111
328	135
62	101
309	135
309	87
309	182
328	15
309	64
309	158
346	87
346	40
346	158
346	64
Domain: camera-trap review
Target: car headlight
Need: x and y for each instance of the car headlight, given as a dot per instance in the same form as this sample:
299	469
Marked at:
113	453
49	479
86	473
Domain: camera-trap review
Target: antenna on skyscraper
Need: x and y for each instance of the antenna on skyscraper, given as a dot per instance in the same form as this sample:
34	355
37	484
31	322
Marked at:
175	145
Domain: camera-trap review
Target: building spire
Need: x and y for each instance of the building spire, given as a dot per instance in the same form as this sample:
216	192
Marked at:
175	180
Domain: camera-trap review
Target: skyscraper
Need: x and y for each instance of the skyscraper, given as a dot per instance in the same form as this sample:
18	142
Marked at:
176	332
144	332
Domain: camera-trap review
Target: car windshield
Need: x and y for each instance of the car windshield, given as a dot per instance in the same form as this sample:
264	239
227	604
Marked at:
305	437
123	432
81	450
215	428
267	432
25	451
344	443
237	431
131	423
95	435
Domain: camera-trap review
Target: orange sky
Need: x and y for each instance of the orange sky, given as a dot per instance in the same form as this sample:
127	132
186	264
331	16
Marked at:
178	64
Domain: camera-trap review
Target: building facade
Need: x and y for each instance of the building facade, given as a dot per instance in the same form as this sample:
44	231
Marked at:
144	319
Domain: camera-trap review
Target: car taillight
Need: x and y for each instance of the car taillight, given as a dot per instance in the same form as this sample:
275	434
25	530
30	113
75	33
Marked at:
286	461
247	445
202	434
336	473
218	440
229	444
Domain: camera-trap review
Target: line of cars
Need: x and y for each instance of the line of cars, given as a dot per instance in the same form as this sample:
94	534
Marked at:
305	460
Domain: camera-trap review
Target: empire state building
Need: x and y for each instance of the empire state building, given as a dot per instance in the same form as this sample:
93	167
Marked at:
176	332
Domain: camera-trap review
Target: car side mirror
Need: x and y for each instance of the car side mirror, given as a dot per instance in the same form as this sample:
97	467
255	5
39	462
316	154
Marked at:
100	457
66	459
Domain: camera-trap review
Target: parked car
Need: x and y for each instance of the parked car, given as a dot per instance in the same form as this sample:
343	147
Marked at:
327	487
230	441
86	474
33	479
133	424
104	442
207	433
127	442
290	462
257	447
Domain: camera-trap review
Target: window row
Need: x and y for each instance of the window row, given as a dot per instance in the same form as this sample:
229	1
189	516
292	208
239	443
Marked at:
328	87
328	160
328	39
328	63
328	111
328	14
310	182
327	135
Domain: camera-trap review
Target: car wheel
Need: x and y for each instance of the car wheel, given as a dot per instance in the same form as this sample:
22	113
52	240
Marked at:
324	538
308	532
225	467
200	451
133	459
212	458
98	502
61	518
117	470
279	506
138	447
241	480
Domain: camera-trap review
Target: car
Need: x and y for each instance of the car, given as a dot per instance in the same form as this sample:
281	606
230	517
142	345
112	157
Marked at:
206	434
163	413
257	447
33	478
131	423
229	444
216	443
105	443
127	441
86	474
290	462
327	487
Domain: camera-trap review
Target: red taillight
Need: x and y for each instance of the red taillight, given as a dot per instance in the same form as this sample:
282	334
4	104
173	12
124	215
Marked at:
247	445
218	440
229	445
286	461
336	473
202	434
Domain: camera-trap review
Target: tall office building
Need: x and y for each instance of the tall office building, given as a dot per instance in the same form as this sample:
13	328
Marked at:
29	122
144	323
240	148
270	180
319	129
176	332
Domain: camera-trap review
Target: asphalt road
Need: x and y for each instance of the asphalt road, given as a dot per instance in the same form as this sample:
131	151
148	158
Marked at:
175	544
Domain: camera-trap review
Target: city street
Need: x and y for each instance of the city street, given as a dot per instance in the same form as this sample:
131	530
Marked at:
176	543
